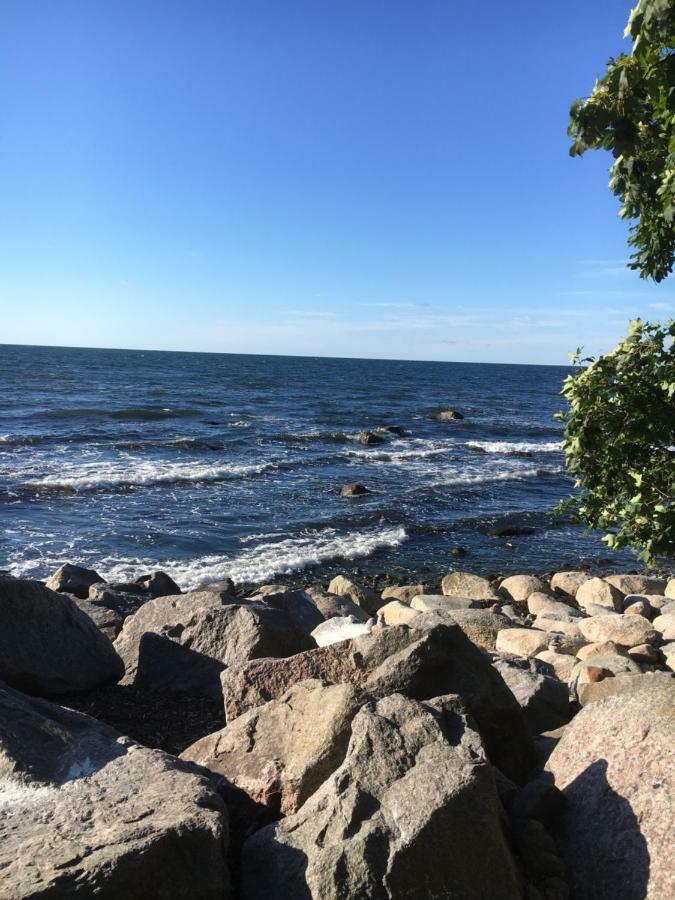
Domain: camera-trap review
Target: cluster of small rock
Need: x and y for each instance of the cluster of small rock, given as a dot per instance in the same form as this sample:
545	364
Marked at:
508	739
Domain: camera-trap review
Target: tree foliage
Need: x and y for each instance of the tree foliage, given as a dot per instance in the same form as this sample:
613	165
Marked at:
619	441
631	112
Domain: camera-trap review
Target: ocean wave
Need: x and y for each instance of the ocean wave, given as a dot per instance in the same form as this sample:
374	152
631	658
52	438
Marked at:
512	447
262	562
135	473
131	413
519	474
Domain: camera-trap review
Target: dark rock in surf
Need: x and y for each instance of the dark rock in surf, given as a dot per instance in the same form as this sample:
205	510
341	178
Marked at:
353	490
511	531
75	580
47	645
158	584
396	429
447	415
370	439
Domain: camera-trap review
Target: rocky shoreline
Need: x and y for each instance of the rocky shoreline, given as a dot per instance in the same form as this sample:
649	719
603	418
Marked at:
503	738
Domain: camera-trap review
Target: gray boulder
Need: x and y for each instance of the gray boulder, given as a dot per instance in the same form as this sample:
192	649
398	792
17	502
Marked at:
366	598
297	606
158	584
464	584
425	660
182	643
616	769
75	580
85	812
543	698
332	605
48	646
411	784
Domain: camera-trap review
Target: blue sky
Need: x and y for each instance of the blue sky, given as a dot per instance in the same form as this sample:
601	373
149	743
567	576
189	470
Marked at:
377	178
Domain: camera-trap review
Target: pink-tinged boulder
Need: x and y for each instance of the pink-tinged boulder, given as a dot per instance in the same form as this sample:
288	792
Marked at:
598	592
637	584
412	812
518	588
624	631
616	768
568	583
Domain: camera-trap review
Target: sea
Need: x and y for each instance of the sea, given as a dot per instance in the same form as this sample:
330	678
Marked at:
211	465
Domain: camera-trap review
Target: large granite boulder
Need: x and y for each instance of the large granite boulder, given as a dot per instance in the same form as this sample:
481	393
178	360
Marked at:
332	605
366	598
278	754
624	631
596	592
616	768
75	580
48	646
85	812
637	584
568	583
296	605
158	584
481	626
397	613
543	698
405	593
464	584
422	661
412	812
517	588
182	643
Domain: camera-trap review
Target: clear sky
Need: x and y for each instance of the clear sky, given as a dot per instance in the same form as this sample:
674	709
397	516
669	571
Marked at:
381	178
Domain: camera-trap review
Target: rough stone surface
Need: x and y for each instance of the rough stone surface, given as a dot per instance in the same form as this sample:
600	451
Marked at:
538	603
549	622
331	605
439	603
625	631
625	685
85	812
518	588
616	768
353	490
411	783
48	646
158	584
182	643
75	580
432	658
463	584
637	584
670	589
638	607
598	592
298	606
568	583
106	620
123	599
364	597
280	753
561	663
481	626
522	641
542	697
600	648
405	593
397	613
665	626
586	671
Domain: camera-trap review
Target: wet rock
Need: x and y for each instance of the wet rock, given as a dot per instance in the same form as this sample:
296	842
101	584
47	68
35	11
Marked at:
598	592
512	531
447	415
616	769
158	584
353	490
86	812
369	438
411	783
75	580
48	646
463	584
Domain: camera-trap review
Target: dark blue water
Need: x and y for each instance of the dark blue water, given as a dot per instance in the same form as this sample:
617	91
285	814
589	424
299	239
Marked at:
209	465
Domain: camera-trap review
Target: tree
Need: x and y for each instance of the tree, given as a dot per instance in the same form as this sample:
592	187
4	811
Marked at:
631	112
619	441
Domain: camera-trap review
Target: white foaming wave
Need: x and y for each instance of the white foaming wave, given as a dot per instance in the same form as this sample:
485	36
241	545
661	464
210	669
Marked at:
401	451
509	475
262	562
515	446
133	473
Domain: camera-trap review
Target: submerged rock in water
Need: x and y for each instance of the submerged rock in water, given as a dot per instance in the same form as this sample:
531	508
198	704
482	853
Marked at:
353	490
369	438
447	415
